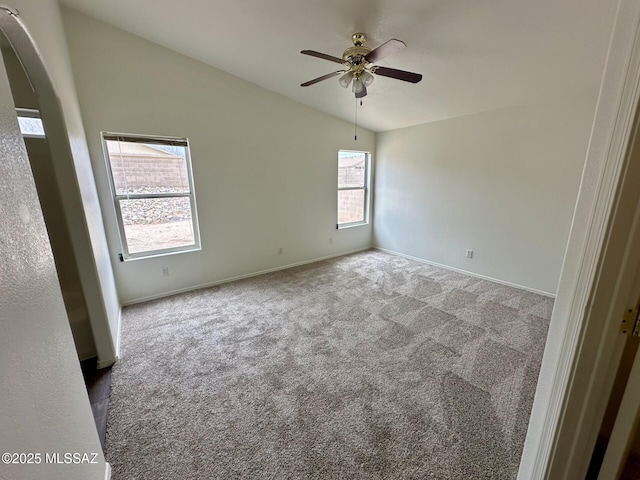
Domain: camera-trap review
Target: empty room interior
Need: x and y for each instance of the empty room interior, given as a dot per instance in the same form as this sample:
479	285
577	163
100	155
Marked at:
291	240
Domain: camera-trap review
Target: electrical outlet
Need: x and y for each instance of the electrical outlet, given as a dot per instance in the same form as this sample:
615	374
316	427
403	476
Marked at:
280	250
165	271
469	253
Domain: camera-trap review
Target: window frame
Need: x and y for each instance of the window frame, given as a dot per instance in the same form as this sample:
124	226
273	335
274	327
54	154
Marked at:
365	188
117	198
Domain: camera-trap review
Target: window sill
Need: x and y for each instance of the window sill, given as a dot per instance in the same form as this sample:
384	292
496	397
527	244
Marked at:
158	254
351	225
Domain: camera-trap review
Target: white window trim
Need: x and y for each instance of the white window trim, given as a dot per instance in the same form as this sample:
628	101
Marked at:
126	255
366	188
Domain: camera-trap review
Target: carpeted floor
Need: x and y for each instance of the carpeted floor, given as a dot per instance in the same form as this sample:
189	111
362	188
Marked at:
368	366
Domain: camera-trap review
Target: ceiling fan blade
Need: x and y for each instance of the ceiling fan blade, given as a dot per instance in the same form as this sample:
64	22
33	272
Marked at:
319	79
323	55
363	92
387	48
397	74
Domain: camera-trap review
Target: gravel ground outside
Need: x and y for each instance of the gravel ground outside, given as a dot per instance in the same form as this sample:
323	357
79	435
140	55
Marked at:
156	236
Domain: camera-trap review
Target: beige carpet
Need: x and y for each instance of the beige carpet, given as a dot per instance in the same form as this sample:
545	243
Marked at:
368	366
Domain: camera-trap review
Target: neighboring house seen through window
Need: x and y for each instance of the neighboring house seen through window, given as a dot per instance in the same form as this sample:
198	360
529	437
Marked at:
353	188
152	186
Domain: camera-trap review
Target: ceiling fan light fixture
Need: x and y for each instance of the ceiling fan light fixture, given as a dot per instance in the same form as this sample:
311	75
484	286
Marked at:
345	79
367	78
358	86
358	69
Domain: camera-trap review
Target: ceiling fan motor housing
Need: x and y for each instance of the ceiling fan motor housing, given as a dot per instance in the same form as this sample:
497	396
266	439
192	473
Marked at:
355	55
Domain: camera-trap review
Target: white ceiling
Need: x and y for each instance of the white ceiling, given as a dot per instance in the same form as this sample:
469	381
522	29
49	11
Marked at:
475	55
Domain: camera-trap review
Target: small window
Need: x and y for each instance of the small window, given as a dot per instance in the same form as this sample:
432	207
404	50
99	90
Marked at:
30	123
353	188
152	187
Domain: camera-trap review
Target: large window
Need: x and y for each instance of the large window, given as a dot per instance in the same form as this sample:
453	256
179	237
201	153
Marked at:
353	188
152	187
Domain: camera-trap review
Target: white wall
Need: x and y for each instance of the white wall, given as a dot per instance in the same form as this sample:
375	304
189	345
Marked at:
75	179
45	408
264	166
502	183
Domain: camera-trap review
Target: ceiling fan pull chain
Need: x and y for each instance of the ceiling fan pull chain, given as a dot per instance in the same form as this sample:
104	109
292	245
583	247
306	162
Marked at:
355	137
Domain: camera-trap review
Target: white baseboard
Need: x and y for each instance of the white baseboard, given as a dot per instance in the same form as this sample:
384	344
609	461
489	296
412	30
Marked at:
239	277
107	363
118	333
107	471
472	274
104	364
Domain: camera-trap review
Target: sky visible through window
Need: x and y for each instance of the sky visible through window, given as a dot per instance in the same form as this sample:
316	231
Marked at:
31	126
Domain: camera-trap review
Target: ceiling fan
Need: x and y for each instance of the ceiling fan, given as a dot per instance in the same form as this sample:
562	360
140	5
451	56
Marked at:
358	61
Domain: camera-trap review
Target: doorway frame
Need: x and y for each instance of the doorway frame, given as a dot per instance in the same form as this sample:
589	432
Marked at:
106	338
583	348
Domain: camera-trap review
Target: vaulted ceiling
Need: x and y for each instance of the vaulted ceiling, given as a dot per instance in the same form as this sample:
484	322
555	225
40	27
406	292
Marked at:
475	55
